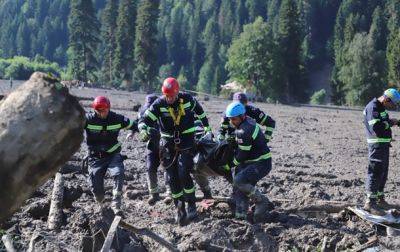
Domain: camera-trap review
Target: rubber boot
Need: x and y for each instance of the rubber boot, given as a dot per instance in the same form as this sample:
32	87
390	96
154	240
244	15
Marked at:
154	197
383	204
371	206
100	202
180	216
116	202
262	203
191	210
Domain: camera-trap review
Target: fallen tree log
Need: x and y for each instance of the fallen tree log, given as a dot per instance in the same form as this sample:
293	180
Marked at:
41	126
56	206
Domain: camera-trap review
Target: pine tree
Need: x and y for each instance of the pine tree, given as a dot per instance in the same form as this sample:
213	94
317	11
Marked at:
83	41
393	57
256	8
146	45
125	39
108	30
23	35
289	41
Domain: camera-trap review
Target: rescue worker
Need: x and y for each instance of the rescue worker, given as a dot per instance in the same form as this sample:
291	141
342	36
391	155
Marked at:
259	116
152	155
175	112
102	129
379	135
252	160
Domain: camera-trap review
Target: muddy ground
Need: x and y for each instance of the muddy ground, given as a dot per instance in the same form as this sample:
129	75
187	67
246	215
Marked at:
319	155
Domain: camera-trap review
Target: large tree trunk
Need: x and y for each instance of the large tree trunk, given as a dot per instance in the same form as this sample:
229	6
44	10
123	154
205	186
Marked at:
41	126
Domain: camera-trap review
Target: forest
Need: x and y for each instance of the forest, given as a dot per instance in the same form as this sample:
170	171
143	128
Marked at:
274	48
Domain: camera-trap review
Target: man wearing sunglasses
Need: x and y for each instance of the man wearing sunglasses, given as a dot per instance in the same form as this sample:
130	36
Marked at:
379	135
102	130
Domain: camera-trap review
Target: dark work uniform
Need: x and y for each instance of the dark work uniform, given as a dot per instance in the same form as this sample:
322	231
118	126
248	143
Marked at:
177	129
252	161
259	116
104	150
379	136
153	150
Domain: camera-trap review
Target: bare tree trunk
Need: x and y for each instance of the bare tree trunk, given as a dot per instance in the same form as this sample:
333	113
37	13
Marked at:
41	126
56	214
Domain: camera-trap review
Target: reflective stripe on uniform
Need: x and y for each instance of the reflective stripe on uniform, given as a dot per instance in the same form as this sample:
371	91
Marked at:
379	140
186	105
114	126
244	147
262	157
235	162
383	114
269	129
373	121
142	126
165	134
191	130
202	115
116	146
224	126
162	109
129	125
263	120
191	190
94	127
255	133
387	126
151	115
177	195
227	168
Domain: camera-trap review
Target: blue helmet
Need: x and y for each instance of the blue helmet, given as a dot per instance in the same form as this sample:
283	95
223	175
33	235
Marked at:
235	109
393	94
240	97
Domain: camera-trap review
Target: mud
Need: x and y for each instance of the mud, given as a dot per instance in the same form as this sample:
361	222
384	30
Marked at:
319	154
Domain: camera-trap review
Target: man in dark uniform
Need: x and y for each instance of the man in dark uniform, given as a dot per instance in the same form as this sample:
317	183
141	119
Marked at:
175	113
152	154
252	161
102	130
259	116
379	135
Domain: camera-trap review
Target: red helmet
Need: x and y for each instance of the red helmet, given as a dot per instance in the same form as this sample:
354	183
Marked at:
101	103
170	87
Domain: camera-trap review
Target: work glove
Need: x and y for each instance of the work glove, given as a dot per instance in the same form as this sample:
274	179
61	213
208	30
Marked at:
144	136
268	135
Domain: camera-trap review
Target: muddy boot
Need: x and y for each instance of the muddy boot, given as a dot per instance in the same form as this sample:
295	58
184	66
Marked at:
383	204
191	211
262	204
154	197
116	203
168	198
372	207
207	194
180	216
100	202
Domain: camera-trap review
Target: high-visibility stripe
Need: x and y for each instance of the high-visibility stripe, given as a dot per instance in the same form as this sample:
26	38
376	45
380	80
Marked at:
207	129
227	168
142	126
114	126
225	126
191	130
235	161
387	126
186	105
94	127
129	125
263	120
256	130
116	146
373	121
202	115
162	109
191	190
165	134
262	157
268	137
269	129
383	114
177	195
244	147
151	115
379	140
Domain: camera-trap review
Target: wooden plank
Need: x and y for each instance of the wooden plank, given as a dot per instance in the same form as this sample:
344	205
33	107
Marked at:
150	234
111	233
